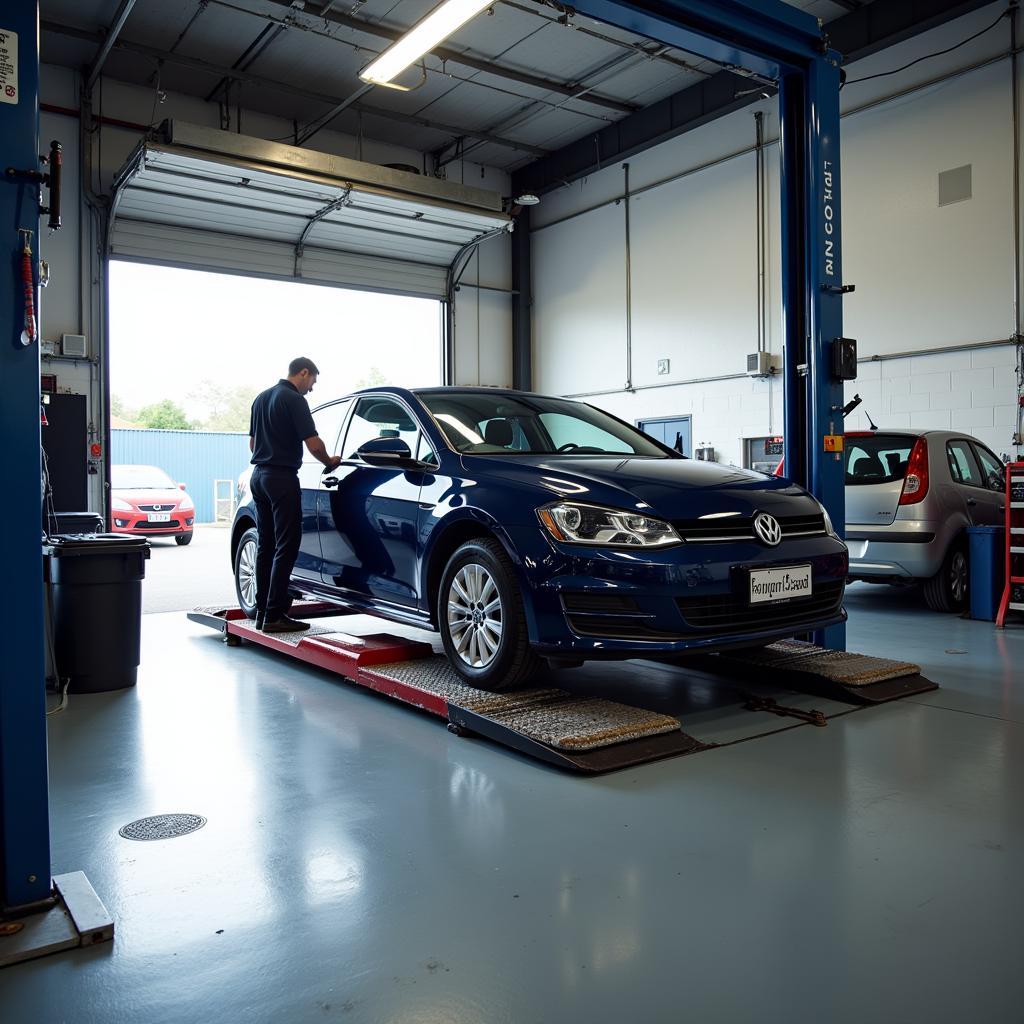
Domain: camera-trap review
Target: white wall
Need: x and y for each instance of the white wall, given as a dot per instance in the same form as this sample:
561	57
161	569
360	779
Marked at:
71	303
927	277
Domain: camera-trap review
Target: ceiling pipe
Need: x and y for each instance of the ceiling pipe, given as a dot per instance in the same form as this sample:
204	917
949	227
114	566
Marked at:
108	43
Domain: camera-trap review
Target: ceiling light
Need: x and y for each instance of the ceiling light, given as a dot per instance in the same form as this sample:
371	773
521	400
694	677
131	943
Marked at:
526	199
437	26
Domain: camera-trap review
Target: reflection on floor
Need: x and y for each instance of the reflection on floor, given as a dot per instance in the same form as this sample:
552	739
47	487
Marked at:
362	864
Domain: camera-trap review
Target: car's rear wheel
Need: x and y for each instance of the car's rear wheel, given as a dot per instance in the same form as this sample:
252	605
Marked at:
946	591
481	618
182	539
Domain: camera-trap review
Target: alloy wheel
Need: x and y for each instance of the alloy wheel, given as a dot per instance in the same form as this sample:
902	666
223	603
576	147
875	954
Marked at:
958	577
247	573
475	615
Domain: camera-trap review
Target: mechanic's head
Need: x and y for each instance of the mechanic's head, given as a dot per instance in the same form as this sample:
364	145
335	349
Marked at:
302	372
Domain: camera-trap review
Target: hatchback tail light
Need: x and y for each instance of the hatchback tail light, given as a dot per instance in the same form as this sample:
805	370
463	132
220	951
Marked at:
915	483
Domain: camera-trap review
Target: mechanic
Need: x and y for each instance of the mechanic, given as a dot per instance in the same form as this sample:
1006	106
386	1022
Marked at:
279	424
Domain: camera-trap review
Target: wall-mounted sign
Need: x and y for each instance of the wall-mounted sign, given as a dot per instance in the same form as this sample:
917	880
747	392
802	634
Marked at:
8	66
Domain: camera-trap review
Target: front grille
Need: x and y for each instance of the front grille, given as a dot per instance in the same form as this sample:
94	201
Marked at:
706	531
617	627
726	613
590	602
167	506
156	526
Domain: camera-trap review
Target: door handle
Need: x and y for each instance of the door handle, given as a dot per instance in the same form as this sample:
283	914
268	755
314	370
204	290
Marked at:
330	481
971	501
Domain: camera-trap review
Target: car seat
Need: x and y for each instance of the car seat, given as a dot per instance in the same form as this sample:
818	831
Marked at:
498	433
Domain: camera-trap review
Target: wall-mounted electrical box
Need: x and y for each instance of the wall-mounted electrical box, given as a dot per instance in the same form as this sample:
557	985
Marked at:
73	346
759	364
705	452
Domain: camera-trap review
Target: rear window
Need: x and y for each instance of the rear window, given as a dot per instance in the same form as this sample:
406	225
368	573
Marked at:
878	459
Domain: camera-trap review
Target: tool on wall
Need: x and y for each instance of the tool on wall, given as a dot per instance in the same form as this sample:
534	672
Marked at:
29	332
52	181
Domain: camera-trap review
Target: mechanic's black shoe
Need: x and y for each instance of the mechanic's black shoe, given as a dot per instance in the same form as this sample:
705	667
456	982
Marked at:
285	625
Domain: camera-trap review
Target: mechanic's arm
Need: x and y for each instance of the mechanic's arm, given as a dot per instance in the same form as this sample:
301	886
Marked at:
318	450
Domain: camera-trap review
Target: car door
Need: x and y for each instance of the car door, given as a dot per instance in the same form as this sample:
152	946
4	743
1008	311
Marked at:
328	420
969	482
992	498
368	517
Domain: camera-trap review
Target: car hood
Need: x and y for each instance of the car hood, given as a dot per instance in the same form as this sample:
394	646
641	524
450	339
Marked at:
672	489
149	497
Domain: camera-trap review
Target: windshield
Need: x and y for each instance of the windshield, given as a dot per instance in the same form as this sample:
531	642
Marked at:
139	478
503	424
877	458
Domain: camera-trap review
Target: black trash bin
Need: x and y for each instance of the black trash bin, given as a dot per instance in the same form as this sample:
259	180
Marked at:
96	582
63	523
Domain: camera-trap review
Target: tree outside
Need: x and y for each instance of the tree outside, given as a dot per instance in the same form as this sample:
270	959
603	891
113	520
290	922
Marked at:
165	415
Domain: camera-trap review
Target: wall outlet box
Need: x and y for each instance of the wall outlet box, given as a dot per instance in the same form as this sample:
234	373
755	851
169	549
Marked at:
73	346
759	364
663	366
47	348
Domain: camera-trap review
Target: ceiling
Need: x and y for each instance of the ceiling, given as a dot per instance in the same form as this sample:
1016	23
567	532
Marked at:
509	86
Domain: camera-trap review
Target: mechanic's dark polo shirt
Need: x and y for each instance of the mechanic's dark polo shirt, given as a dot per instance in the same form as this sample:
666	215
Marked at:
279	422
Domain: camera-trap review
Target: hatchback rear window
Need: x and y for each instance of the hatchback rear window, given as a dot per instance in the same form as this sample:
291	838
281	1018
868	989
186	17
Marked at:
877	459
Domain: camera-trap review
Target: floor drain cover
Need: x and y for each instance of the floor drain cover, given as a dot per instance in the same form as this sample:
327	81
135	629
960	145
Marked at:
162	826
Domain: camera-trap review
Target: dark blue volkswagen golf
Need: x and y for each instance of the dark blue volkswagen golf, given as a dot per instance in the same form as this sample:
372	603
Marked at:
525	528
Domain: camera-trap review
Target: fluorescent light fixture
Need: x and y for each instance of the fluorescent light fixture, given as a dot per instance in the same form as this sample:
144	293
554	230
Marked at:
437	26
526	199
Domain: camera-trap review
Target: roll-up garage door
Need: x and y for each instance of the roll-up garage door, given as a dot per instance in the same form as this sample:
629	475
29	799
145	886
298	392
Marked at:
212	200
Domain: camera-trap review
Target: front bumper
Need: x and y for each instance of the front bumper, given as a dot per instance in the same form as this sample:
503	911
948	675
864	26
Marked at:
138	523
604	602
905	550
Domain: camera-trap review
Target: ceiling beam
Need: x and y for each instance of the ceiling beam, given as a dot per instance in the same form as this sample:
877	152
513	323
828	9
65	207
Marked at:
218	70
858	34
108	42
490	67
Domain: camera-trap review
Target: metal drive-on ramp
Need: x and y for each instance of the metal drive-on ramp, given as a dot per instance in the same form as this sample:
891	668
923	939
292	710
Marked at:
570	730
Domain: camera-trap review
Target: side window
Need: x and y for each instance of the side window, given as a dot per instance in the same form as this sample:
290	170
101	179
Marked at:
379	417
425	452
572	430
328	421
962	465
992	471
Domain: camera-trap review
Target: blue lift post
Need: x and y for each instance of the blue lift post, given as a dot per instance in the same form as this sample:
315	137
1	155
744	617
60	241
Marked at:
24	802
787	47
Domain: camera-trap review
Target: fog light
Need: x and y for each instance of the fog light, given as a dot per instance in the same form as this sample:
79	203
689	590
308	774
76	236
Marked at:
188	522
120	522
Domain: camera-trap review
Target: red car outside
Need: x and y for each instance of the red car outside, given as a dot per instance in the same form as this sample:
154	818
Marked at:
145	501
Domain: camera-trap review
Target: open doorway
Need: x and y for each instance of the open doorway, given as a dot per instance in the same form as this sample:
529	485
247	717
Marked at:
189	350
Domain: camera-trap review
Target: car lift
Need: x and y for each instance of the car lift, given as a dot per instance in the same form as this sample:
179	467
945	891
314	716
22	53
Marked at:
774	42
571	731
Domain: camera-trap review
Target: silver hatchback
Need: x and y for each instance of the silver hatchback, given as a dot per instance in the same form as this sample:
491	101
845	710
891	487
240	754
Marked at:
910	496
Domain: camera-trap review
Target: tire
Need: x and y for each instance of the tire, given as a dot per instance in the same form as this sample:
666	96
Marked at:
182	539
245	573
946	591
480	581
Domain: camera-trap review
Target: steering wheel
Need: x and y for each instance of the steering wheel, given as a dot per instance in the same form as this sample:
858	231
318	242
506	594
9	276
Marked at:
567	447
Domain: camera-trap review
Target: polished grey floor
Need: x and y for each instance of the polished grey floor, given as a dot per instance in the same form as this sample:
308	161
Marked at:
362	864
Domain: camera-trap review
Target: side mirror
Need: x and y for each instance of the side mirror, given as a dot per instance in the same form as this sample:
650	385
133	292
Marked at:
181	487
996	482
385	451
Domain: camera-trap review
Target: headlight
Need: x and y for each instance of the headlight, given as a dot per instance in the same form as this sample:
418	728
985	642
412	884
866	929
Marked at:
829	528
186	504
571	523
120	505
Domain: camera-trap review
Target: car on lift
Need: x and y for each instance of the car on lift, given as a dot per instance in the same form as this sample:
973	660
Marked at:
146	502
523	528
910	496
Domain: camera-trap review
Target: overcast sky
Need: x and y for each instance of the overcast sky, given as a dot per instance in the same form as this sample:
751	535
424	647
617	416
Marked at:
172	329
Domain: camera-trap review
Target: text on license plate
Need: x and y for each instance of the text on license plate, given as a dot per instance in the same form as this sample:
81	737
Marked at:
159	517
782	584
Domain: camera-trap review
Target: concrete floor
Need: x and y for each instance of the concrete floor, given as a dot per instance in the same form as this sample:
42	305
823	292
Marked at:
179	578
362	864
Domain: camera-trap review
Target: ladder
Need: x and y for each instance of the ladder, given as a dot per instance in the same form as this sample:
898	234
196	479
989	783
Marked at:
1013	592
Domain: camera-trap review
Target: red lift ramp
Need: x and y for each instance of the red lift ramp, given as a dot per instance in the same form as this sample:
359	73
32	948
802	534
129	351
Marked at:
580	733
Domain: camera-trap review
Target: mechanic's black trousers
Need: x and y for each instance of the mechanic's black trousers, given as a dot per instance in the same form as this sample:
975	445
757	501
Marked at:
278	500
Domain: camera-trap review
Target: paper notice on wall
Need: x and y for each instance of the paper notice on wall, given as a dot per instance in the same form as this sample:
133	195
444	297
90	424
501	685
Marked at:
8	66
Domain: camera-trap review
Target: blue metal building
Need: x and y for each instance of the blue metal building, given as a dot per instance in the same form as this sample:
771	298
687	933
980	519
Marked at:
193	457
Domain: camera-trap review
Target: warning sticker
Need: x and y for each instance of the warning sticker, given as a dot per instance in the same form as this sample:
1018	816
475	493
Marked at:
8	66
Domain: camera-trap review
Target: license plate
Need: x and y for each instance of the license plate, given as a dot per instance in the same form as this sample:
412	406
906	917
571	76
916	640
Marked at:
784	584
159	517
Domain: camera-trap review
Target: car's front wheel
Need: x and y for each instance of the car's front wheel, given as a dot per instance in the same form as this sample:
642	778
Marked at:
481	618
182	539
946	591
245	573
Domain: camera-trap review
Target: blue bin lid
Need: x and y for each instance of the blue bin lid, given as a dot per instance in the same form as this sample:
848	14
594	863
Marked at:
981	531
